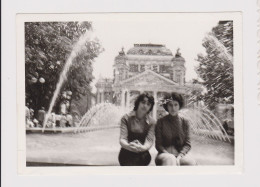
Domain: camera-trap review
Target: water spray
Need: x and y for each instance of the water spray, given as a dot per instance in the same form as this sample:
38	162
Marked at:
77	48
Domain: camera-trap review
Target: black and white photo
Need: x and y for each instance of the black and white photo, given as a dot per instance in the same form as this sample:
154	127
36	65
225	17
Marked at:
129	89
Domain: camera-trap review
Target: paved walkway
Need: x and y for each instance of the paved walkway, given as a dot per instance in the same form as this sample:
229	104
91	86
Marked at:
102	147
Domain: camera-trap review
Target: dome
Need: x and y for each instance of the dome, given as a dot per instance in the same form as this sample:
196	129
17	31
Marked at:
178	57
121	55
149	49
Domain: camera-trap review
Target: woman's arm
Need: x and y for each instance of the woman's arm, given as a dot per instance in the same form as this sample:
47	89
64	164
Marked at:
149	138
123	140
159	138
187	144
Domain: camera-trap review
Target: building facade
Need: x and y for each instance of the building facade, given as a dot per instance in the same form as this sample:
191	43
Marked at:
144	68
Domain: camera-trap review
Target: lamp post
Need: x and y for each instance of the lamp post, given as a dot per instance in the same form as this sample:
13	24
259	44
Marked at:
42	81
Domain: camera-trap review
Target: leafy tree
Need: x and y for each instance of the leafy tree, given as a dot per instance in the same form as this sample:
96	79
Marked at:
47	47
215	69
224	33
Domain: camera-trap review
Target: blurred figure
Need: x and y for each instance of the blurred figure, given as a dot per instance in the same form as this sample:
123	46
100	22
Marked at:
57	118
36	123
51	122
225	126
76	120
27	115
31	121
63	107
31	113
41	116
53	119
63	121
69	120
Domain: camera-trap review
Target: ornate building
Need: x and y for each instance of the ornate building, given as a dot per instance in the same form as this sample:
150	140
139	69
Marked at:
145	67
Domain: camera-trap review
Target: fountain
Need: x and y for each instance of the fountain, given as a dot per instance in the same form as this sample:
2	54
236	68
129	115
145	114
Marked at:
80	143
100	117
203	122
107	115
77	48
95	141
97	134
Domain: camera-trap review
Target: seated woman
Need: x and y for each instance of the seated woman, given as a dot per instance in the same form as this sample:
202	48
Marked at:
137	133
172	134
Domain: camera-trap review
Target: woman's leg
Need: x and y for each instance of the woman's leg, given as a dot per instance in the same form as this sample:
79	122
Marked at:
124	158
165	159
187	160
128	158
145	159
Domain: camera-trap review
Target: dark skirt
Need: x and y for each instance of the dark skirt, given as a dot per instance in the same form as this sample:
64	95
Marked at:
129	158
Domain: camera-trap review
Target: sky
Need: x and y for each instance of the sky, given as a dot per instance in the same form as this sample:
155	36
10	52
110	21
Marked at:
185	33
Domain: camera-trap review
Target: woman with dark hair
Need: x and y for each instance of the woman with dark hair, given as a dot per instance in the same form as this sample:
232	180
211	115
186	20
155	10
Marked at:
137	133
172	134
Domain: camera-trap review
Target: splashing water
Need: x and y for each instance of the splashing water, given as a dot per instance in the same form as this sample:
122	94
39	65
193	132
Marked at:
77	48
204	122
101	116
218	45
106	115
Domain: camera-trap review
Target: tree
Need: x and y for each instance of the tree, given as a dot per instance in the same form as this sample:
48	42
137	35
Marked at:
215	69
47	47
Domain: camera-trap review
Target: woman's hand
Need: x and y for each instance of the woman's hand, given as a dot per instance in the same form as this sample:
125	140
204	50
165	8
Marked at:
179	158
133	148
136	145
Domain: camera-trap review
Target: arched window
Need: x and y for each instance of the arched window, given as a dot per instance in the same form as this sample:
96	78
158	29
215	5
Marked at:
163	69
150	52
142	68
133	68
178	76
155	68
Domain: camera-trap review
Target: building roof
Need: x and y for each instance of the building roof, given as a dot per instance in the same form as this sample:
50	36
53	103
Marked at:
121	55
178	56
149	72
105	80
149	49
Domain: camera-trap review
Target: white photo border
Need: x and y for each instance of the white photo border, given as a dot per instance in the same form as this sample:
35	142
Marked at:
237	168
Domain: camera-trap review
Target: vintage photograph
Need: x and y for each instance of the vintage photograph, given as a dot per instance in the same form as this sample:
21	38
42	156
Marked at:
131	90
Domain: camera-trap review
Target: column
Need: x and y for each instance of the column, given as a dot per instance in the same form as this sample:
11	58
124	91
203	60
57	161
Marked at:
102	97
173	75
127	99
123	98
98	97
139	68
181	79
185	100
155	105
